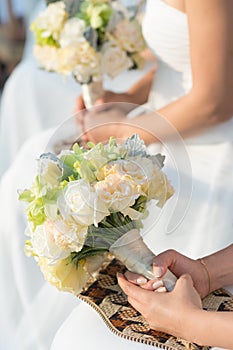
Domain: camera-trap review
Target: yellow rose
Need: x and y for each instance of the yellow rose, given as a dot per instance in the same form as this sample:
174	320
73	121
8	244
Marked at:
64	275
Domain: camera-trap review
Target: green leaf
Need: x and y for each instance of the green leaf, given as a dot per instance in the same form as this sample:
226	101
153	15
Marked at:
26	196
86	252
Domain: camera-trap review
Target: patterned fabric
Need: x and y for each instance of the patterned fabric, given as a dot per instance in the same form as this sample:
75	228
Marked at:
106	297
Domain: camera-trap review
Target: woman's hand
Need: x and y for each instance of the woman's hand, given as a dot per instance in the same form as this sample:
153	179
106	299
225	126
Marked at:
108	97
107	118
174	312
100	124
179	265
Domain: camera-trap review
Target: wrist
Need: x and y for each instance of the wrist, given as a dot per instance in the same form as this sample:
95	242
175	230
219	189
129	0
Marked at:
205	278
215	272
195	327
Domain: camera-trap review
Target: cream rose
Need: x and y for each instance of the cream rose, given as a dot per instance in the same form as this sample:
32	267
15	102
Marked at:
159	188
140	169
56	240
114	60
47	56
129	36
56	59
118	192
88	64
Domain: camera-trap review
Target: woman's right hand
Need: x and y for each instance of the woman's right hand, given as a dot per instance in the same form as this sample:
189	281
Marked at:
108	97
177	264
90	119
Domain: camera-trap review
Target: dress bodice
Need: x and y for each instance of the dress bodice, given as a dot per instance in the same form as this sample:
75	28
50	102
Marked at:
167	34
166	31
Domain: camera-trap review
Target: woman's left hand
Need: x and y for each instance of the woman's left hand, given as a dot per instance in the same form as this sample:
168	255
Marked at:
104	121
172	312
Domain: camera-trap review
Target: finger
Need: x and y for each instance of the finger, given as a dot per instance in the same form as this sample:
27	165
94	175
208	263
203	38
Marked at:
130	289
101	106
161	290
80	105
135	278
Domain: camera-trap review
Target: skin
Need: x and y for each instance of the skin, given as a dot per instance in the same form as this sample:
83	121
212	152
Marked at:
208	103
180	312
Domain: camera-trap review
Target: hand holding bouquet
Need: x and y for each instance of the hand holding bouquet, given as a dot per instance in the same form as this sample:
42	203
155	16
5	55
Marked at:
99	39
84	204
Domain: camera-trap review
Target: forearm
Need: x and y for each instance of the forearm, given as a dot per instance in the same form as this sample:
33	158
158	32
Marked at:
210	329
220	267
139	92
188	115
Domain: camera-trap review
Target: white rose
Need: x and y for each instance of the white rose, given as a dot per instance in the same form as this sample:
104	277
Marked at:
51	21
67	59
49	171
114	60
129	36
72	33
56	240
79	201
118	192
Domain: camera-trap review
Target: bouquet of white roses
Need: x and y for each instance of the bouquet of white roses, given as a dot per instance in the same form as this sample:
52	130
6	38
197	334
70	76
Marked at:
89	40
84	204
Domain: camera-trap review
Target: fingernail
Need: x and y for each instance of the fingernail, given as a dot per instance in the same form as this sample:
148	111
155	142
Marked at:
141	280
119	275
161	290
157	284
157	270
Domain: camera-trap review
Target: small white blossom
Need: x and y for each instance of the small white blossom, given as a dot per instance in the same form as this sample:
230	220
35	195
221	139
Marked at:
72	33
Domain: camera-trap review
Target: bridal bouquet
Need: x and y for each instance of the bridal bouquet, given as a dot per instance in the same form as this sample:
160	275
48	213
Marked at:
89	39
85	204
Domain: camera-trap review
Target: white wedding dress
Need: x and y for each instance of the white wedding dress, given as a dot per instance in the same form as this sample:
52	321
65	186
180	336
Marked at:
34	100
31	310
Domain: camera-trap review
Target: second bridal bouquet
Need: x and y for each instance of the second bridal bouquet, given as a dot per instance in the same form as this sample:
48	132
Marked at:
89	39
85	204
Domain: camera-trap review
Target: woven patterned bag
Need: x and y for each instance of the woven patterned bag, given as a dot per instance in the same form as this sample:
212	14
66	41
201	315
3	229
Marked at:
105	296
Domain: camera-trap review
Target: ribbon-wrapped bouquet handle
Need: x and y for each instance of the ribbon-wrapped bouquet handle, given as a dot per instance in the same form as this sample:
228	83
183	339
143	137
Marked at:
132	251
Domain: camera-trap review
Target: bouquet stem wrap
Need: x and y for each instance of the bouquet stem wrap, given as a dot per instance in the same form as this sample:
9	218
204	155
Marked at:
132	251
91	92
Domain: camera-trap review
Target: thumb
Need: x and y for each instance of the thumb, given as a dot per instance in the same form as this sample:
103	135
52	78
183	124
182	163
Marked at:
176	262
184	283
163	261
